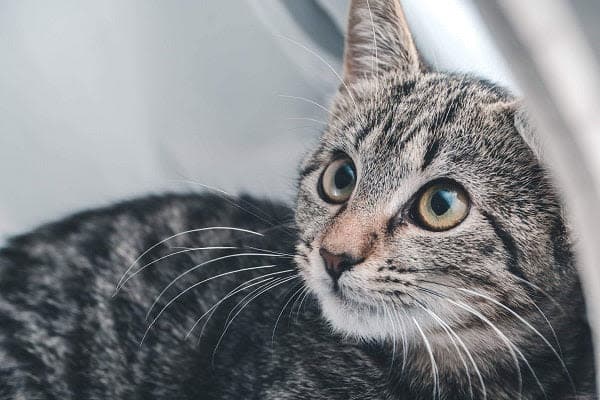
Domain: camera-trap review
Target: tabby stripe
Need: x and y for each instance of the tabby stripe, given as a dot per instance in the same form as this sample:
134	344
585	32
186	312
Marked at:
363	133
78	372
21	349
400	92
510	246
432	151
448	114
309	169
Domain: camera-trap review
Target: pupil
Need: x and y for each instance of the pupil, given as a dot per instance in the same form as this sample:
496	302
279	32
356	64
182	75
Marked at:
344	176
441	202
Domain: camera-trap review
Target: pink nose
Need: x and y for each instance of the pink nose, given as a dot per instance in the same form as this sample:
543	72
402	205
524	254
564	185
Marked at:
336	264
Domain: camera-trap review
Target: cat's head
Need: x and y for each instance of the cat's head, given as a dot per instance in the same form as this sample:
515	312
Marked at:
423	206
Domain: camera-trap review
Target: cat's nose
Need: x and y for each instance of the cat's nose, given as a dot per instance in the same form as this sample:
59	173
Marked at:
336	264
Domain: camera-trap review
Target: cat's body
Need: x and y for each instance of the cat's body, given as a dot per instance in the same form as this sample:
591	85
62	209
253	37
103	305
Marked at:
426	229
64	336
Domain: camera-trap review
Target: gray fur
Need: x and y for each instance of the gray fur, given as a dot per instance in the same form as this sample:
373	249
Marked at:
495	299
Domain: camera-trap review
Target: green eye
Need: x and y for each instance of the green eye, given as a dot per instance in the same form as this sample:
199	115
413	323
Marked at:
442	206
338	180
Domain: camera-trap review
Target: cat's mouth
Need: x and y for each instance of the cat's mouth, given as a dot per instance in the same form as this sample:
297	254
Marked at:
349	305
363	305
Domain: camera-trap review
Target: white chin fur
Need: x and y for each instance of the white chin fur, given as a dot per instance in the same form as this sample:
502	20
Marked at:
353	318
361	324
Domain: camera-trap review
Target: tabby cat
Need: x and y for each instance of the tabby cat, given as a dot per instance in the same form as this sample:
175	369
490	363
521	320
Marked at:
427	258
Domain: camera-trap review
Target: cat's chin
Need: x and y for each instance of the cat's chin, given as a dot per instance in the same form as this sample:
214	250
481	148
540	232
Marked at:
354	320
360	320
363	315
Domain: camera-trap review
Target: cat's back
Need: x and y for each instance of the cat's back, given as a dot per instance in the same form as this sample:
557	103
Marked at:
66	333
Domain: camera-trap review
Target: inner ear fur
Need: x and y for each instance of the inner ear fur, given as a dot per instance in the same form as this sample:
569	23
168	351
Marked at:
378	40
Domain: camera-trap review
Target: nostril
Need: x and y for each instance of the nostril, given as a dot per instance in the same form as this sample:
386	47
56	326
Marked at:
336	264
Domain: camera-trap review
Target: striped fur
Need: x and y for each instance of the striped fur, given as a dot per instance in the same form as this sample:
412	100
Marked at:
490	309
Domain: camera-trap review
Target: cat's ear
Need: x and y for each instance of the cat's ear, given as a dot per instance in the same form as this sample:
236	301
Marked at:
523	125
378	39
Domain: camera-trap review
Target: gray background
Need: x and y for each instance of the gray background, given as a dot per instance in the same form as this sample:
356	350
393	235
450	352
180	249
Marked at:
111	99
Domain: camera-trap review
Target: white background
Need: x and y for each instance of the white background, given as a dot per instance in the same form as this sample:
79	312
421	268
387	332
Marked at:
101	101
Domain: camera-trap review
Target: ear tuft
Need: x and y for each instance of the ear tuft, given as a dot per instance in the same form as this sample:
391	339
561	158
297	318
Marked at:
525	128
522	124
378	40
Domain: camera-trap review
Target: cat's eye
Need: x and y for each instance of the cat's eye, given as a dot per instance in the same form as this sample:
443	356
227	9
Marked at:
442	205
338	180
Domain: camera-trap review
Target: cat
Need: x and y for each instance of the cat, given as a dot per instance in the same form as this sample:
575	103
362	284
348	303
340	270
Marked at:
427	257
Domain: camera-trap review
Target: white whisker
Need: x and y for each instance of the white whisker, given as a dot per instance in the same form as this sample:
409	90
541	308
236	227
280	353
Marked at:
197	266
404	339
305	289
227	228
194	286
526	323
279	281
322	107
260	287
181	250
434	368
270	251
455	339
299	291
211	311
539	289
235	291
328	66
375	61
514	350
304	297
389	314
264	217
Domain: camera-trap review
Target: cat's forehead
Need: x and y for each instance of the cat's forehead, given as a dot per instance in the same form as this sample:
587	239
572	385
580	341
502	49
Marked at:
395	106
410	120
404	131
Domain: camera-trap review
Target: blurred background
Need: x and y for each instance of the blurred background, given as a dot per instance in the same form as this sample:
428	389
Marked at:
106	100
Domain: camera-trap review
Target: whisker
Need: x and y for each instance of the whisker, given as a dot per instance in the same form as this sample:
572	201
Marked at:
404	339
434	367
211	311
233	200
227	228
539	310
454	339
389	314
304	290
328	66
270	251
181	250
194	286
526	323
322	107
304	297
539	289
264	285
299	291
243	299
279	281
197	266
284	255
514	350
530	300
233	292
375	61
